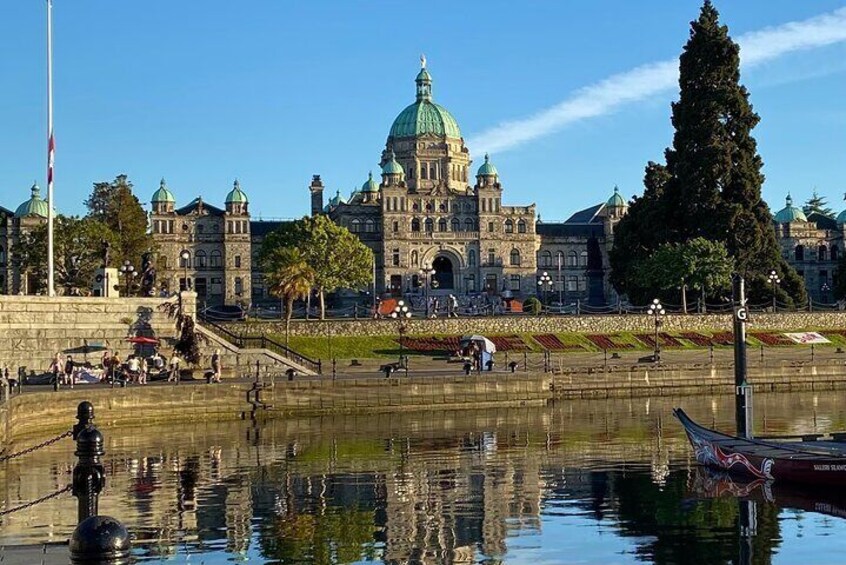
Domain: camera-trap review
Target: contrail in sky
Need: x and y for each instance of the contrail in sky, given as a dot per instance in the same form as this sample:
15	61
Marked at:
645	81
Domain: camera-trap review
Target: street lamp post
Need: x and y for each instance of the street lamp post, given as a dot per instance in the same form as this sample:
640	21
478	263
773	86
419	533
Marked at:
560	282
544	284
401	314
185	258
656	310
426	272
128	272
774	280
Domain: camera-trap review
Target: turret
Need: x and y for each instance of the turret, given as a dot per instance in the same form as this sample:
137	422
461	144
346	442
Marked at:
163	201
236	200
392	172
316	189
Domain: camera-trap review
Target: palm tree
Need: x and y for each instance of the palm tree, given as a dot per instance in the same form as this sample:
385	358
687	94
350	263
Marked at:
290	279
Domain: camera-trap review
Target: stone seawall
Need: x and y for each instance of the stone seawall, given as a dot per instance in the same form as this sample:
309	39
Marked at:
545	324
34	328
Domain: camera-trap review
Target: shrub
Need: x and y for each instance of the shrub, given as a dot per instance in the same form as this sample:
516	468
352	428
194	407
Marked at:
532	305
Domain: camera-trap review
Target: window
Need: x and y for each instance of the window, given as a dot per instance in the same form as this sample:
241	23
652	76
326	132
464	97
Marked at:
162	261
471	283
572	284
430	206
430	225
490	283
582	284
184	259
559	258
415	223
572	259
443	207
414	258
800	252
521	226
214	259
416	207
515	283
546	259
822	253
515	258
355	226
490	227
442	224
2	256
468	225
491	257
424	171
368	226
509	226
456	224
583	259
395	258
471	258
239	286
200	260
237	261
395	226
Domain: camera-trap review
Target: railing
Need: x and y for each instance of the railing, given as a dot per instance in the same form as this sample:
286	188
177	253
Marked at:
263	342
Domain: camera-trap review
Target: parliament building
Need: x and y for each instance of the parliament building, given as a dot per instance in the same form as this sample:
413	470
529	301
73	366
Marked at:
431	217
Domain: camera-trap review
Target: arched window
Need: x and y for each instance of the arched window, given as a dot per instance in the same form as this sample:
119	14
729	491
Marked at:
509	226
800	252
424	170
355	226
583	259
433	172
515	258
822	253
471	258
430	206
456	224
368	226
572	259
442	224
468	225
430	225
834	253
521	226
184	258
414	258
546	259
416	207
214	259
559	258
200	260
415	224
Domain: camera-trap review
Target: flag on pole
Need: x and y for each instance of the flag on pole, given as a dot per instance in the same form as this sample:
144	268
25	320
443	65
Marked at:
51	151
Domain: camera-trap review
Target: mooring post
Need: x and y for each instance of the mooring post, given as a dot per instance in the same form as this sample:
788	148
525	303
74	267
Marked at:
97	540
742	390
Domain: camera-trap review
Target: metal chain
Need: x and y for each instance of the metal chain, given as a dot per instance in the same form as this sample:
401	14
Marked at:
36	501
5	458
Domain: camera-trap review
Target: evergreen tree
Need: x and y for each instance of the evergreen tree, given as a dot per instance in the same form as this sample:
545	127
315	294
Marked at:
188	344
817	204
713	171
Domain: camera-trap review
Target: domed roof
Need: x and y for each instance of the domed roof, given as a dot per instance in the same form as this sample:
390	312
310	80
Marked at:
370	185
163	194
487	169
841	217
424	116
392	167
236	195
334	201
616	201
790	213
35	206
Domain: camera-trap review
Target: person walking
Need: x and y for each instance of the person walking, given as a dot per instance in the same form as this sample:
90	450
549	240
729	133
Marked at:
56	368
69	371
114	366
173	365
142	371
216	366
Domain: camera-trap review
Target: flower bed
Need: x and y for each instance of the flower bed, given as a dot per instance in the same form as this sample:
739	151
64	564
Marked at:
424	344
666	340
771	339
606	341
551	342
696	338
509	343
722	338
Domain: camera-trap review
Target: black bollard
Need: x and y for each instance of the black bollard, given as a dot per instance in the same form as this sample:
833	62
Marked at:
97	540
513	366
467	368
290	373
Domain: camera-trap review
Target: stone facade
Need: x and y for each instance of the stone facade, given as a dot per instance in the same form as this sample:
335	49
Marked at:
14	225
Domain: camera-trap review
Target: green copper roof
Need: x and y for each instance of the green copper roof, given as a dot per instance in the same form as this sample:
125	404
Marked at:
163	194
236	195
370	185
790	213
391	167
35	206
841	217
335	200
616	201
424	116
487	169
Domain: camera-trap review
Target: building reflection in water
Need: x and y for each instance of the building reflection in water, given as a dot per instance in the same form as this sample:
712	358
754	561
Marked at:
447	488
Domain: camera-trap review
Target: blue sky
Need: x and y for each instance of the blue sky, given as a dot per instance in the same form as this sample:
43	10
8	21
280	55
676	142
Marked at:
272	92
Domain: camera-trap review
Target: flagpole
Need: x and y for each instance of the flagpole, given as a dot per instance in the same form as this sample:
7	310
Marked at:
51	291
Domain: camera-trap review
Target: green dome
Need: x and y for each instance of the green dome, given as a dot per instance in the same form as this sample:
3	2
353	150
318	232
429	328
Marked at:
392	167
236	195
370	185
616	201
487	169
424	116
841	217
790	213
35	206
163	194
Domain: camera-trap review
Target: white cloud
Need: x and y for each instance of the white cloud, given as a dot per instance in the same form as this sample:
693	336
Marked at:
645	81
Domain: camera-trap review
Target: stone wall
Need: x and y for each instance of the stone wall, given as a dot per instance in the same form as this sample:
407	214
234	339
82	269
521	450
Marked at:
550	324
34	328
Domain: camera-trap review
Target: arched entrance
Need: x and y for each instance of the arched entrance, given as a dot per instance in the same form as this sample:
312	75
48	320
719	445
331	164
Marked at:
443	273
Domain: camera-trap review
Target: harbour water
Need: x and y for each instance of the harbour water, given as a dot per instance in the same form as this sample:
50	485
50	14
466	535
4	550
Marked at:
596	482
